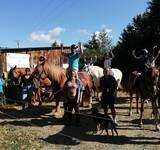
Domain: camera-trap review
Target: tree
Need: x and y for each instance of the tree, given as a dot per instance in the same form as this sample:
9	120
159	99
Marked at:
55	44
98	44
142	32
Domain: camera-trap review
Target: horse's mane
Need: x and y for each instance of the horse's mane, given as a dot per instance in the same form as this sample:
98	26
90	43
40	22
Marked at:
54	72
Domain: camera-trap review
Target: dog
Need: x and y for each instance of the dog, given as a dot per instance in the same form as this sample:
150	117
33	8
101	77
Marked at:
103	122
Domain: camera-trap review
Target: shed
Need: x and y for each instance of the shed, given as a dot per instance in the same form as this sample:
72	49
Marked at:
51	53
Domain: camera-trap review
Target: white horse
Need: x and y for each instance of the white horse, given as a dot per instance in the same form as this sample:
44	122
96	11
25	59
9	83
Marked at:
97	72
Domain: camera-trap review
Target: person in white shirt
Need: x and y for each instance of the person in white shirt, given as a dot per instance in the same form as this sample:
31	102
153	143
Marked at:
108	59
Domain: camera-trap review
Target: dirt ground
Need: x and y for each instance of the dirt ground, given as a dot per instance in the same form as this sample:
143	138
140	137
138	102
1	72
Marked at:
37	128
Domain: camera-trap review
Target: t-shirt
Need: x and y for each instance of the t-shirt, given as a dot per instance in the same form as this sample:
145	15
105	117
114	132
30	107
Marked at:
26	81
1	86
107	63
72	89
69	88
108	85
73	60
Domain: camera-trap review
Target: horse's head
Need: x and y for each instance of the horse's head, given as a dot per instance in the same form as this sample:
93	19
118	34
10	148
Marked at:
15	72
41	75
48	72
86	68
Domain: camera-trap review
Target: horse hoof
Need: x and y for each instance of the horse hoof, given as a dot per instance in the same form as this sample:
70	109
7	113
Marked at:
140	124
130	113
157	128
57	113
90	106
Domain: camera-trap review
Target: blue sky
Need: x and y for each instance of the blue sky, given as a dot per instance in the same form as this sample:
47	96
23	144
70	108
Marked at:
36	23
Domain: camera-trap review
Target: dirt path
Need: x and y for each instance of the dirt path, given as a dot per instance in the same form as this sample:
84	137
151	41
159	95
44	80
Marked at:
39	129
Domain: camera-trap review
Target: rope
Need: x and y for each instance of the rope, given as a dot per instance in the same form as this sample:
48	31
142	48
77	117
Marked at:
81	114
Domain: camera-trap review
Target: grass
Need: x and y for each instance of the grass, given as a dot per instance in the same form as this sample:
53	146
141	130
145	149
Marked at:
13	138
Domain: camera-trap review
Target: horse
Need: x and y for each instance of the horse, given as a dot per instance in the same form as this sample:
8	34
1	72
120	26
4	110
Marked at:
48	72
97	72
145	87
14	75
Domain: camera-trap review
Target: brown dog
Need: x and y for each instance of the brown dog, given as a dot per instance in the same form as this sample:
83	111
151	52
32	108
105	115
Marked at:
103	122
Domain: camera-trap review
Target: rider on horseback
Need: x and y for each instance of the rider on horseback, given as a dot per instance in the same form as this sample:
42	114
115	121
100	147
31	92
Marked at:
141	62
73	57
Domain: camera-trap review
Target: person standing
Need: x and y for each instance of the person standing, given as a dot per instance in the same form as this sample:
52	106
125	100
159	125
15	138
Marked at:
73	89
108	86
27	87
1	90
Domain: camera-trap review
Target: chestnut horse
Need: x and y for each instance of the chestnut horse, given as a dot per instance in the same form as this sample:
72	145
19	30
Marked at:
48	72
146	87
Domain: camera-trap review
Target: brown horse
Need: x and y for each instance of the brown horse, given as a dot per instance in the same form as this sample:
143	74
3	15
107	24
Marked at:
132	90
48	72
145	88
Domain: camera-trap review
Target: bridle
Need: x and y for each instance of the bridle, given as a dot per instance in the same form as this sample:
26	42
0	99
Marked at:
42	75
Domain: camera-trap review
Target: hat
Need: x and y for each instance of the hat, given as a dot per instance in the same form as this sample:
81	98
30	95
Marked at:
155	48
145	51
73	46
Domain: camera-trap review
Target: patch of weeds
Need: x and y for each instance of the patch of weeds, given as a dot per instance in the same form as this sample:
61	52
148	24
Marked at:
13	138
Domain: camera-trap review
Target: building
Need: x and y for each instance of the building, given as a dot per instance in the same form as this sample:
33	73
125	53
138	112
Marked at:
53	54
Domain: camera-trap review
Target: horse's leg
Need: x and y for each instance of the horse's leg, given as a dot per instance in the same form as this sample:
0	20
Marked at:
130	109
141	111
57	99
137	100
39	97
90	99
89	95
156	113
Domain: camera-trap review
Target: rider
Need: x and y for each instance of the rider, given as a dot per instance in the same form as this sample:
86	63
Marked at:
108	58
73	57
140	64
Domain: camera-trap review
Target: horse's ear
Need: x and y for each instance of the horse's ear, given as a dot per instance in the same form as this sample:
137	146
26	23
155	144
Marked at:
15	67
147	66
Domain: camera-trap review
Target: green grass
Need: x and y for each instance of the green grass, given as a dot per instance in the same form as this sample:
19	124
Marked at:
14	138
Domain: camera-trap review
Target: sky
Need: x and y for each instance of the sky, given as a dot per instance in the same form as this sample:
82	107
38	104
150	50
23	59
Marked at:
38	23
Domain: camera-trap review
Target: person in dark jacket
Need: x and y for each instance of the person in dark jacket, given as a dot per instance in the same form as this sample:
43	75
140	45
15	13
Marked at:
108	87
27	86
73	89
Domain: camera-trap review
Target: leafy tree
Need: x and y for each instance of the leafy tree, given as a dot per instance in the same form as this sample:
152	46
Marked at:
55	44
96	47
142	32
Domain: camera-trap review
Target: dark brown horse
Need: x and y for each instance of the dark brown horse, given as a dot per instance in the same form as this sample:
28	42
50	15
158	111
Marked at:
48	74
146	87
132	90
